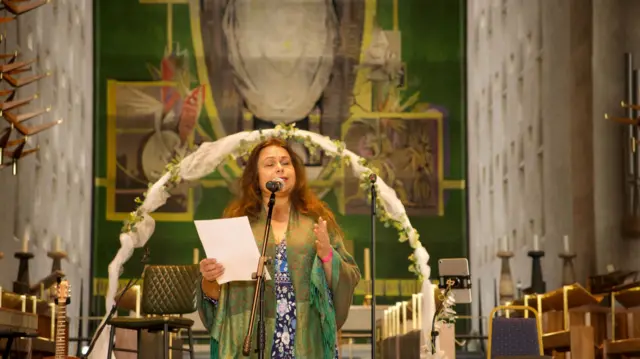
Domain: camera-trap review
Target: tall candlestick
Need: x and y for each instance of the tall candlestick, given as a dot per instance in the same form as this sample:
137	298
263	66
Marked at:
196	256
404	317
413	311
536	243
367	264
0	297
505	243
25	241
23	299
566	244
58	244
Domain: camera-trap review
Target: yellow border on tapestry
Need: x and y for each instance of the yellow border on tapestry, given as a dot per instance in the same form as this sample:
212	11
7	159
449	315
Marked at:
111	213
432	115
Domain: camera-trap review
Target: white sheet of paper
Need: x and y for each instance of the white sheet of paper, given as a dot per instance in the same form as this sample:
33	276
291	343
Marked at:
230	241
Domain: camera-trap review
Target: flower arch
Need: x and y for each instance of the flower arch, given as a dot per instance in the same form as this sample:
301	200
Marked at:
140	225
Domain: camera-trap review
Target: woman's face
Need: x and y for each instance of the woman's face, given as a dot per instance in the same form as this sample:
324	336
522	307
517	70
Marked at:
275	162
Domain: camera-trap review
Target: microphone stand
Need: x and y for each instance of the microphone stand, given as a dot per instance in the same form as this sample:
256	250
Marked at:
132	281
258	295
372	255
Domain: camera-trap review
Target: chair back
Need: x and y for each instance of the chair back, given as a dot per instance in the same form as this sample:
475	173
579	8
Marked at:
169	289
514	336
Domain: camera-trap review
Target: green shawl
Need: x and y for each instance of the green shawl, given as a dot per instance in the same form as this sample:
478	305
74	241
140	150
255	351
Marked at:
318	320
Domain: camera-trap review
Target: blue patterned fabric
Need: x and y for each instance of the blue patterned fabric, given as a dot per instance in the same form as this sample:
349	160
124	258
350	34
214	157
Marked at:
514	336
285	331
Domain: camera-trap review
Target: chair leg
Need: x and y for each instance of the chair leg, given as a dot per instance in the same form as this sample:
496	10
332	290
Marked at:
112	336
192	353
139	340
166	341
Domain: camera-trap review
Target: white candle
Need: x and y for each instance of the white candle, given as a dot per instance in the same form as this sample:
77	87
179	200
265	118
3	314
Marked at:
385	324
404	317
53	321
34	304
25	240
23	299
396	318
196	256
536	243
566	243
505	243
413	311
367	264
419	300
58	245
137	290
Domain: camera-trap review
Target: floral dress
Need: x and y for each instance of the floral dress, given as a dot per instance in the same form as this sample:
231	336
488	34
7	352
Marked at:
285	330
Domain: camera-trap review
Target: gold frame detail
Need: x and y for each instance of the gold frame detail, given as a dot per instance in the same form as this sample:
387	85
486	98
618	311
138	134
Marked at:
432	115
110	181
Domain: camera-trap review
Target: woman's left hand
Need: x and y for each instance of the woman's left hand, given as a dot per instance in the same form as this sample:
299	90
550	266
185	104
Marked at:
323	246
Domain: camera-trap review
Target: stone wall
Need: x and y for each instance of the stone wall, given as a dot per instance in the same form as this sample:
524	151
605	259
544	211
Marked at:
542	159
51	195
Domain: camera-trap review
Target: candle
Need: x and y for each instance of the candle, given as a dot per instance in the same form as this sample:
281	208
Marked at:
536	243
25	241
419	300
367	264
413	311
505	244
394	320
404	317
137	289
196	256
385	323
41	290
58	245
566	243
53	321
23	299
34	304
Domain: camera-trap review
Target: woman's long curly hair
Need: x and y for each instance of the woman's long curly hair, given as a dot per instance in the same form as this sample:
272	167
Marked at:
304	200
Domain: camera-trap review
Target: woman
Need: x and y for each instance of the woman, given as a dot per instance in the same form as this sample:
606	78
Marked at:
314	277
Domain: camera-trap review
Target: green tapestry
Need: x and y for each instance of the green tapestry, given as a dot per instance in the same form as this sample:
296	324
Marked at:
386	77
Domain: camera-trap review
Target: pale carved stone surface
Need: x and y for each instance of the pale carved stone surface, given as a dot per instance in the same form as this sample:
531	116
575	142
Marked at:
51	195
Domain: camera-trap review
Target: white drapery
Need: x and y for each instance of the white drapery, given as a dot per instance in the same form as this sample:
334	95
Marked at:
281	80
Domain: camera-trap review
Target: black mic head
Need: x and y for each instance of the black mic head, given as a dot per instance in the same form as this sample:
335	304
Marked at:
373	177
275	185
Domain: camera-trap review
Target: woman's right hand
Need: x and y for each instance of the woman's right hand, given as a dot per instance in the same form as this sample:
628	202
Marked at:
211	269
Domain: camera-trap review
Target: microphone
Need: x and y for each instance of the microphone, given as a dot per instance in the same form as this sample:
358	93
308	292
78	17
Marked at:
275	185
